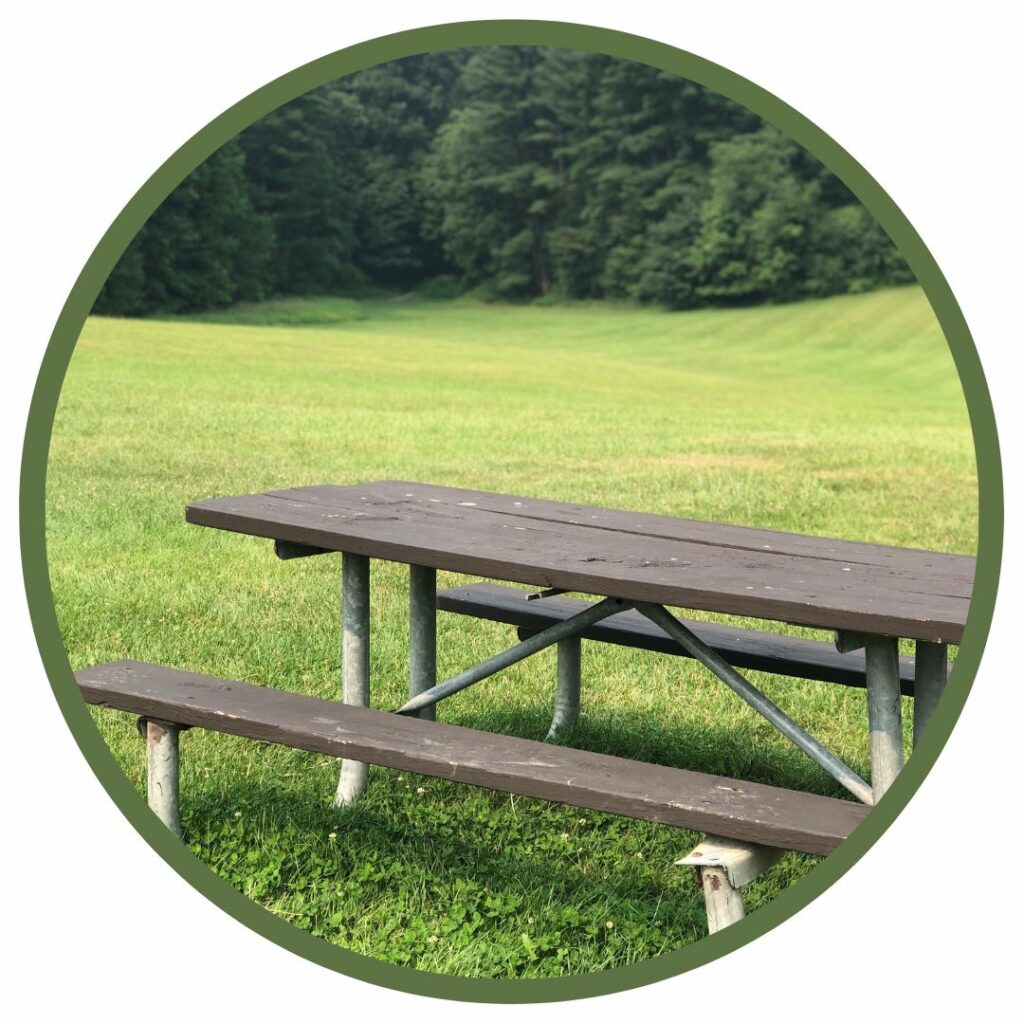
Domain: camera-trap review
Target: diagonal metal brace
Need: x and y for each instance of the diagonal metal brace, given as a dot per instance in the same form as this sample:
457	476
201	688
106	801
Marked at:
818	753
572	626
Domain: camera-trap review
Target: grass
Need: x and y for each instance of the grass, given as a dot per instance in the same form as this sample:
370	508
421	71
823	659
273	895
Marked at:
313	311
841	417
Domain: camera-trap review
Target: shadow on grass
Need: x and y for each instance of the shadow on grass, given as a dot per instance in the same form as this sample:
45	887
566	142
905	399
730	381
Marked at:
697	747
451	844
415	844
459	823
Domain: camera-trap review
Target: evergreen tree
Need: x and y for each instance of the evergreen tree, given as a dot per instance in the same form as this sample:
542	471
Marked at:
403	103
205	246
303	161
491	174
521	169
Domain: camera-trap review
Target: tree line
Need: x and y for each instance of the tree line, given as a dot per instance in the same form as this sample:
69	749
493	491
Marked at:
518	171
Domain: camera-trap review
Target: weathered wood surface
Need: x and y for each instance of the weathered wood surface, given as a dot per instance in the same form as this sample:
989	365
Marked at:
742	648
672	796
812	581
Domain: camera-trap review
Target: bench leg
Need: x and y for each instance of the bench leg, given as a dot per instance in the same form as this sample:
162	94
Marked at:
885	725
930	668
722	901
162	772
723	867
422	635
355	662
567	688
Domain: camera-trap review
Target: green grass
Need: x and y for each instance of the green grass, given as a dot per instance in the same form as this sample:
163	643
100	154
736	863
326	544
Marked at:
841	417
312	311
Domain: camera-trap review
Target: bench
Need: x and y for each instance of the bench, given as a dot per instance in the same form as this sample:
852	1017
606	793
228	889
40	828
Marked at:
742	648
748	824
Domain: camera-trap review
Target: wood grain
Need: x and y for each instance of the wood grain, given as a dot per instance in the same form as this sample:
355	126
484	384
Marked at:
672	796
811	581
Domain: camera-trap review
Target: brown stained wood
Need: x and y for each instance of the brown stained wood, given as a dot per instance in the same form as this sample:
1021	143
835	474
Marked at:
672	796
732	570
742	648
673	528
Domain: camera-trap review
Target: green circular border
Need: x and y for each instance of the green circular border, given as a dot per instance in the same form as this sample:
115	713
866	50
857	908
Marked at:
219	131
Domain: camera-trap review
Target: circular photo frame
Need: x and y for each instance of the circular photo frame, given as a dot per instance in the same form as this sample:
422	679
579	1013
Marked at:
40	432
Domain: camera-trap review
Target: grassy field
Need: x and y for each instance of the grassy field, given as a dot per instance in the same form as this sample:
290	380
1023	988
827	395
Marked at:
841	417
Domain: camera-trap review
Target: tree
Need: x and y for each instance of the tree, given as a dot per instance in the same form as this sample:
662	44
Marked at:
402	105
755	222
205	246
490	171
524	170
303	167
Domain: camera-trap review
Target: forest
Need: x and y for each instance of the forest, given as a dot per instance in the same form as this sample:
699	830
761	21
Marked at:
513	173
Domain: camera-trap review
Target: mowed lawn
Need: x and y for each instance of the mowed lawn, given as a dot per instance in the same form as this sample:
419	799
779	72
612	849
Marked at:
841	417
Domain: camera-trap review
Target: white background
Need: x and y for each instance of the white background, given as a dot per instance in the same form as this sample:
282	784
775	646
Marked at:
97	95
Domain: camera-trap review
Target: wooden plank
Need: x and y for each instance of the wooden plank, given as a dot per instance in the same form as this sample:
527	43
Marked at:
742	648
697	531
672	796
886	591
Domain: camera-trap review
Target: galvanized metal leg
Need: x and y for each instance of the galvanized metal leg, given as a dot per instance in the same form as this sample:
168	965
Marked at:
355	662
884	719
930	670
567	689
422	634
162	772
723	867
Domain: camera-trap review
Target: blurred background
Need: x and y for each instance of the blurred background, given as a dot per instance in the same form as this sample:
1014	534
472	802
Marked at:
517	172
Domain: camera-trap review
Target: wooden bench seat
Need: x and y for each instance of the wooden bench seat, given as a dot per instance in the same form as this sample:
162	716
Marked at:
742	648
744	811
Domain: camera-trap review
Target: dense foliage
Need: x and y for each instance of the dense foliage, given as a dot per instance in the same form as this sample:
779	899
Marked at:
521	171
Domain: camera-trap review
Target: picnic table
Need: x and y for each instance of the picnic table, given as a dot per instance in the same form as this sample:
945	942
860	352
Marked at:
869	595
638	565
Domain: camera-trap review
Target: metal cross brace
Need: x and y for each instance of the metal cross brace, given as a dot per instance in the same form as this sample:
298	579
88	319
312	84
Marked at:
818	753
572	626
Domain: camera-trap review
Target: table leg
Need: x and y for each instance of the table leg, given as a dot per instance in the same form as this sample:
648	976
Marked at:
422	634
162	772
884	714
930	668
355	662
567	688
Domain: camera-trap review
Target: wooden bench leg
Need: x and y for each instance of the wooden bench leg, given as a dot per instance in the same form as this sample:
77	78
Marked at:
885	724
723	867
162	771
422	635
567	688
355	662
930	669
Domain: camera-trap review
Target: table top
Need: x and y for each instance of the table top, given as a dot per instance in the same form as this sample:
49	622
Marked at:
685	563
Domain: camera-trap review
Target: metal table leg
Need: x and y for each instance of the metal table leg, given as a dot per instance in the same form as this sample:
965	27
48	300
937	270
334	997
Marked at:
885	725
567	689
930	668
422	634
355	662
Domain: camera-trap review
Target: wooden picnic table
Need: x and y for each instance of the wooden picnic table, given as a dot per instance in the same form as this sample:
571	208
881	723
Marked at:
870	595
685	563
